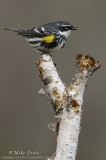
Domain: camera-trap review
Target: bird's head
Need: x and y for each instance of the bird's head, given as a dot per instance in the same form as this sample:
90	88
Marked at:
65	28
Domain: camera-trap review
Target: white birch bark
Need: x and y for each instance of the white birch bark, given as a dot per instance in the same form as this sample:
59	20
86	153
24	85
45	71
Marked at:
67	101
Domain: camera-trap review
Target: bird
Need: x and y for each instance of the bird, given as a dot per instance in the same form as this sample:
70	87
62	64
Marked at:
47	38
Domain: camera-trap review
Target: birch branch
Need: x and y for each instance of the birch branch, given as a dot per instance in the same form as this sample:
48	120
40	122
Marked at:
67	101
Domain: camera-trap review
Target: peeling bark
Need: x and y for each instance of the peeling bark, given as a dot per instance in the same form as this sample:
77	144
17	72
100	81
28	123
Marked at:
67	101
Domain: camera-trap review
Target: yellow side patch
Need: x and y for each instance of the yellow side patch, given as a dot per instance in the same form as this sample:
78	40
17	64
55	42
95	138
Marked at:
48	39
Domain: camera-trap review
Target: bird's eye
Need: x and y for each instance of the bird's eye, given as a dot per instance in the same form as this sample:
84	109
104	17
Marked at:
66	28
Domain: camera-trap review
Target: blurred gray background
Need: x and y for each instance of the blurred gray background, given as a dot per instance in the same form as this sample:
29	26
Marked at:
24	115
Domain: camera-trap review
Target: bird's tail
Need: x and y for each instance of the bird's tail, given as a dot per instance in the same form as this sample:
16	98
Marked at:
19	32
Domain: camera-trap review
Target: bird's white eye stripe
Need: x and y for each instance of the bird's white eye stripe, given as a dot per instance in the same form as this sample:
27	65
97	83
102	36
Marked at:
65	25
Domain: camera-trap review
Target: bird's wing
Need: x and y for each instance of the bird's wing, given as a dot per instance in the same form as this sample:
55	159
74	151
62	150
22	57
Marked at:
33	32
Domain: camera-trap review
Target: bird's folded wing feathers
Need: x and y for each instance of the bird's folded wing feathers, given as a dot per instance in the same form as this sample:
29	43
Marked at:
36	31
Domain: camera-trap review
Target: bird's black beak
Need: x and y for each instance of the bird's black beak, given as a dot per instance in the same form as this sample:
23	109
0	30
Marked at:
74	28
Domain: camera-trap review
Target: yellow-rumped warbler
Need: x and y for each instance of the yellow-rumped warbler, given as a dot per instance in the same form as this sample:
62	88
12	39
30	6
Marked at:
48	37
